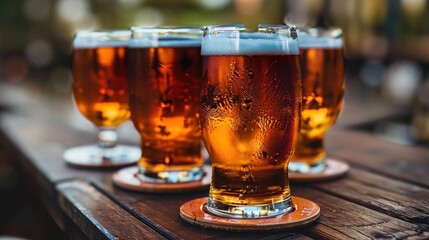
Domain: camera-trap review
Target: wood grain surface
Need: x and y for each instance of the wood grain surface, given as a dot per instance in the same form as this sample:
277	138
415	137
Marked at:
384	196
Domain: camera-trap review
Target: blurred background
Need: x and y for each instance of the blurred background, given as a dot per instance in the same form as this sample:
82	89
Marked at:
386	49
386	41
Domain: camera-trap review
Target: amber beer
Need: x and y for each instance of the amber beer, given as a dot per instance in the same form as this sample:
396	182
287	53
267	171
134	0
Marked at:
164	96
251	105
322	67
100	85
100	90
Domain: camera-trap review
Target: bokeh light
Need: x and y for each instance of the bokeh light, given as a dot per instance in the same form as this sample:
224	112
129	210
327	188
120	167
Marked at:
401	81
15	68
218	4
148	17
73	10
39	53
37	10
130	3
247	7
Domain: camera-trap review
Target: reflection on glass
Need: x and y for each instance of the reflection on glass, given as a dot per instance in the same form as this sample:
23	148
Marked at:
321	55
164	95
100	90
251	108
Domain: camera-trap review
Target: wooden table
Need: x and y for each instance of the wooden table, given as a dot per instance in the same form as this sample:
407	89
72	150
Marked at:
384	196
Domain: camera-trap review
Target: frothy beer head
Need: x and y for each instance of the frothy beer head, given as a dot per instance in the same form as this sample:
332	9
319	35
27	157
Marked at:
250	115
164	96
100	85
96	39
322	64
320	38
144	37
236	42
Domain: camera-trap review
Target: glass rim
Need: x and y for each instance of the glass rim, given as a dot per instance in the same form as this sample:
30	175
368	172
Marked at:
166	30
331	32
212	29
273	28
102	33
281	29
319	37
101	38
234	40
165	36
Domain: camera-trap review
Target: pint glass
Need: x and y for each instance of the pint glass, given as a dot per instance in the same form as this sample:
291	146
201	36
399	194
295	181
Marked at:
100	90
165	77
322	64
250	117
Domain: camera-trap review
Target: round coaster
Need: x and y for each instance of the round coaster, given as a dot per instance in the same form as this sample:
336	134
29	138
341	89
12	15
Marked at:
332	170
127	178
305	212
90	157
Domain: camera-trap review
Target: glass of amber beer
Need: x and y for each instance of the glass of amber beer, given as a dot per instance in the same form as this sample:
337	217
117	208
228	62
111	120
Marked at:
322	64
164	94
250	118
100	90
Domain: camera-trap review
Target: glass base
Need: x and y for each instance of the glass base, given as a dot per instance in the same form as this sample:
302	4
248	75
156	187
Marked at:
247	211
194	174
94	156
302	167
333	169
304	212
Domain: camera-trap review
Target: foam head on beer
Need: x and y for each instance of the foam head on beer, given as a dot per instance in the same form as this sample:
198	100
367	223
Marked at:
250	117
319	38
100	85
164	96
145	37
237	42
322	71
94	39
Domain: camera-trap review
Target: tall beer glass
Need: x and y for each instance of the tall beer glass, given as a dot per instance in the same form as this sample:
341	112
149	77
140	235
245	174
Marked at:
100	90
322	63
250	117
164	93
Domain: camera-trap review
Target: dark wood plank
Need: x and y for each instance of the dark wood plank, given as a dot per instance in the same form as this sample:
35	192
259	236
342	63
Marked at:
358	110
366	151
40	156
31	136
41	145
392	197
162	212
359	208
341	219
37	183
98	216
41	122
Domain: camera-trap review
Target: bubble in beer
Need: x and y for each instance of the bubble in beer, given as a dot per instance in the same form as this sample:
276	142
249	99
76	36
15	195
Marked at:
246	104
246	81
166	106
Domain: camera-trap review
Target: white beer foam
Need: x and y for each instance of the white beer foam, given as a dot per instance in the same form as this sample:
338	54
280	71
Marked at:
92	43
94	39
164	41
233	43
307	41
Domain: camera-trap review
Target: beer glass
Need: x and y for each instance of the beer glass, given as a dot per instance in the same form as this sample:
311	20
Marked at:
164	94
322	64
250	117
100	90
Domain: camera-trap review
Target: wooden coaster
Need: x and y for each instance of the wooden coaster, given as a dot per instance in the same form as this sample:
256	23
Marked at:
84	157
127	178
332	170
305	211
